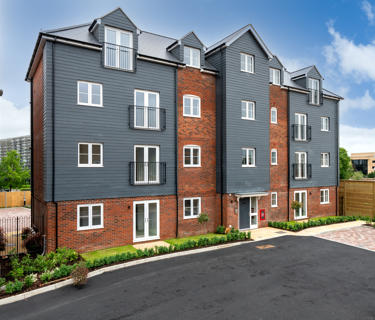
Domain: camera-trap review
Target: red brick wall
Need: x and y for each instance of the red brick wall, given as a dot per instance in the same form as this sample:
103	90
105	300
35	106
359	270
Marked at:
198	182
314	208
117	221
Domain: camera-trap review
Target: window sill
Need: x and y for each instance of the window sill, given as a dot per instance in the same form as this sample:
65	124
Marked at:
195	67
90	105
189	218
324	166
300	218
247	119
90	228
247	72
273	122
191	116
324	203
89	166
273	164
274	206
191	166
248	166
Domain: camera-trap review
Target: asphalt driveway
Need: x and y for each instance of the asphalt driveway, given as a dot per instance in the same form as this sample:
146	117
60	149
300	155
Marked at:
300	278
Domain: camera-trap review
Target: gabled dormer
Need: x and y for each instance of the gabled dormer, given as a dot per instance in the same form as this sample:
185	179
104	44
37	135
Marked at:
276	71
311	79
119	37
189	49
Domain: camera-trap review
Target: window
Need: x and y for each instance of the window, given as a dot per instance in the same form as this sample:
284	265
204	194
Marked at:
90	155
314	91
275	76
247	110
274	199
324	124
248	157
324	196
300	171
274	157
273	115
89	216
247	63
324	159
118	49
300	131
192	156
89	94
301	197
192	106
146	160
146	110
192	207
192	57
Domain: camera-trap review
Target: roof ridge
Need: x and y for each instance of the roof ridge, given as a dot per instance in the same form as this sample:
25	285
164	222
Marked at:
157	34
229	35
313	65
67	28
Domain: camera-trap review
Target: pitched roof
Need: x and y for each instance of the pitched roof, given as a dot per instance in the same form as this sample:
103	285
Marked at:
304	71
77	32
228	40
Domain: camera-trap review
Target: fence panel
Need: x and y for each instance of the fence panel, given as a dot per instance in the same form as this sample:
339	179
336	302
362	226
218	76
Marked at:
11	241
357	197
15	199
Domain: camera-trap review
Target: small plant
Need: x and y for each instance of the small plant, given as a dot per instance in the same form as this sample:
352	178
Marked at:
34	243
46	276
29	281
220	230
2	282
26	232
3	239
296	205
12	287
79	275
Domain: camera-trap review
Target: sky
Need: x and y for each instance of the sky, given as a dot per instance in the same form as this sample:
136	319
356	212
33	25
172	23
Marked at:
337	36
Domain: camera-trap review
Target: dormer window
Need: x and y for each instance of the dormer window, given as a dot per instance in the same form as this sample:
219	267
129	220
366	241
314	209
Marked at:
275	76
192	57
314	86
118	49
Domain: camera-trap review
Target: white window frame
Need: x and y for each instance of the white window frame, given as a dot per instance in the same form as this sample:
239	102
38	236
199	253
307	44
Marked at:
146	102
191	98
272	204
249	105
324	124
190	62
299	155
305	216
248	66
302	131
145	160
274	110
117	44
90	226
314	86
192	147
247	165
325	196
273	73
90	164
324	160
192	216
275	152
146	225
89	94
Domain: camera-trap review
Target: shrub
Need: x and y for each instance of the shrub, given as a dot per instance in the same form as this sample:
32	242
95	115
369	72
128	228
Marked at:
12	287
34	243
2	282
26	232
220	229
3	239
29	281
79	275
62	271
46	276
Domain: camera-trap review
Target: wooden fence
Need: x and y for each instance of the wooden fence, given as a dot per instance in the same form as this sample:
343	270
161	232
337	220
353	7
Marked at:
357	198
15	199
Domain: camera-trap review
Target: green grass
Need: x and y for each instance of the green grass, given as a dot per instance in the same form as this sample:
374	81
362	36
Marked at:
90	256
196	238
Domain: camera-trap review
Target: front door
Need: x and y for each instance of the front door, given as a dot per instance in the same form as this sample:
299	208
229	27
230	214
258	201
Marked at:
300	196
248	213
146	220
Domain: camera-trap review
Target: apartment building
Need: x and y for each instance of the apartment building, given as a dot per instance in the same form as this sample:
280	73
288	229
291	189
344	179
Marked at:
135	134
363	161
21	144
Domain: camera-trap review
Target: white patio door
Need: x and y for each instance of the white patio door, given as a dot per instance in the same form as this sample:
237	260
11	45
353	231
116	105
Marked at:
301	130
146	164
146	218
301	196
146	112
253	212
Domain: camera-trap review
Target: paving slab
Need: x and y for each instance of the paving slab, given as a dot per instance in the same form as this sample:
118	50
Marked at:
151	245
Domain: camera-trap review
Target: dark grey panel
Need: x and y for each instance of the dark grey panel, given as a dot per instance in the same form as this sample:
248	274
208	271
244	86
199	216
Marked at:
313	73
244	213
107	125
320	141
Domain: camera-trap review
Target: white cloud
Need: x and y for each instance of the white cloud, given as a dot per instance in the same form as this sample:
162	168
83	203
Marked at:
13	121
293	64
356	60
355	139
367	8
365	102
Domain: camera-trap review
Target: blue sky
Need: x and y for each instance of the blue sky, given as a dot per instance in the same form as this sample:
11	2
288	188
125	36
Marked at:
337	36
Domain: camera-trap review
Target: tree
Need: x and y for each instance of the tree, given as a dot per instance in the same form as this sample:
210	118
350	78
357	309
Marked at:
12	173
357	175
346	168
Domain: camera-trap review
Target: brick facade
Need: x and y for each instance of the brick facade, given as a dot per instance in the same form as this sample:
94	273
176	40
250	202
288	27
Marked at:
197	181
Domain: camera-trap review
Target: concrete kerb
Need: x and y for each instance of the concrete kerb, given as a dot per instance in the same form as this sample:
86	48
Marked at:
26	295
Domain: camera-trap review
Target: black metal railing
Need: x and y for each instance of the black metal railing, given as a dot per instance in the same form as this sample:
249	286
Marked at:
147	118
301	132
147	173
11	239
315	97
119	57
301	171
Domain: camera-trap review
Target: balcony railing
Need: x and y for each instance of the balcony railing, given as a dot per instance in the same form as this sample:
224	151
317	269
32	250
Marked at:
147	118
147	173
118	57
315	97
301	132
301	171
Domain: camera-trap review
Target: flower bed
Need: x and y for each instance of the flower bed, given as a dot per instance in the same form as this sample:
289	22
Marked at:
313	222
